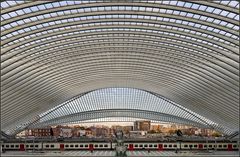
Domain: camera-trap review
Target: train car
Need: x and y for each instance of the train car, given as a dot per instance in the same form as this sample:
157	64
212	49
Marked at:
191	146
21	146
50	146
99	146
142	146
91	146
182	146
77	146
11	146
152	146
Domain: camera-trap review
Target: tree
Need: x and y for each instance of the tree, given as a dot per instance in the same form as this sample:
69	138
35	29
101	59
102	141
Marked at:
171	132
82	128
216	134
152	132
159	131
178	132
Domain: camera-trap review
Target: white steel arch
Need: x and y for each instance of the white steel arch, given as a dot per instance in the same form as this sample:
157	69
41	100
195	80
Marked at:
187	52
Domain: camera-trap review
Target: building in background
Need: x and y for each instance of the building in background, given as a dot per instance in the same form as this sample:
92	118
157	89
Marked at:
78	131
102	132
88	132
142	125
66	132
22	134
38	132
137	134
127	129
141	128
117	127
58	130
156	128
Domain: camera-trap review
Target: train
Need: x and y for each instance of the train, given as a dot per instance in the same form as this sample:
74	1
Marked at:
160	146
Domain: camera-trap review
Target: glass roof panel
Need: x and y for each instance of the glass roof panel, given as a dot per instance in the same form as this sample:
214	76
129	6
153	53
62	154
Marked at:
163	19
195	25
119	98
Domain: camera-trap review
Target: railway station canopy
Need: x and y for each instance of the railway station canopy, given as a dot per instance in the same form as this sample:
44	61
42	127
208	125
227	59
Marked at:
72	61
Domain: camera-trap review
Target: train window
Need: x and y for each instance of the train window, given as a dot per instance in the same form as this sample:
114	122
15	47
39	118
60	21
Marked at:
12	146
140	145
185	145
27	145
36	145
67	145
190	146
165	145
71	146
52	146
81	145
195	146
175	145
220	146
7	146
31	146
86	146
96	145
205	146
145	145
155	145
105	145
170	145
76	145
2	145
101	145
16	146
47	146
225	146
234	146
150	145
210	146
135	145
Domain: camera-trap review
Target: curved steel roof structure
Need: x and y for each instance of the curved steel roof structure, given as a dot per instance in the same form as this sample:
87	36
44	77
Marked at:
184	52
125	102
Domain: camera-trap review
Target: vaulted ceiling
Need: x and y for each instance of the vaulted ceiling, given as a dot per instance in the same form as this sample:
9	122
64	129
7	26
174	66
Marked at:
55	51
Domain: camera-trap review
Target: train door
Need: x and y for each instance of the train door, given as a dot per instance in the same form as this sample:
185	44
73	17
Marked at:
91	147
130	147
62	147
21	147
160	147
229	147
200	146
